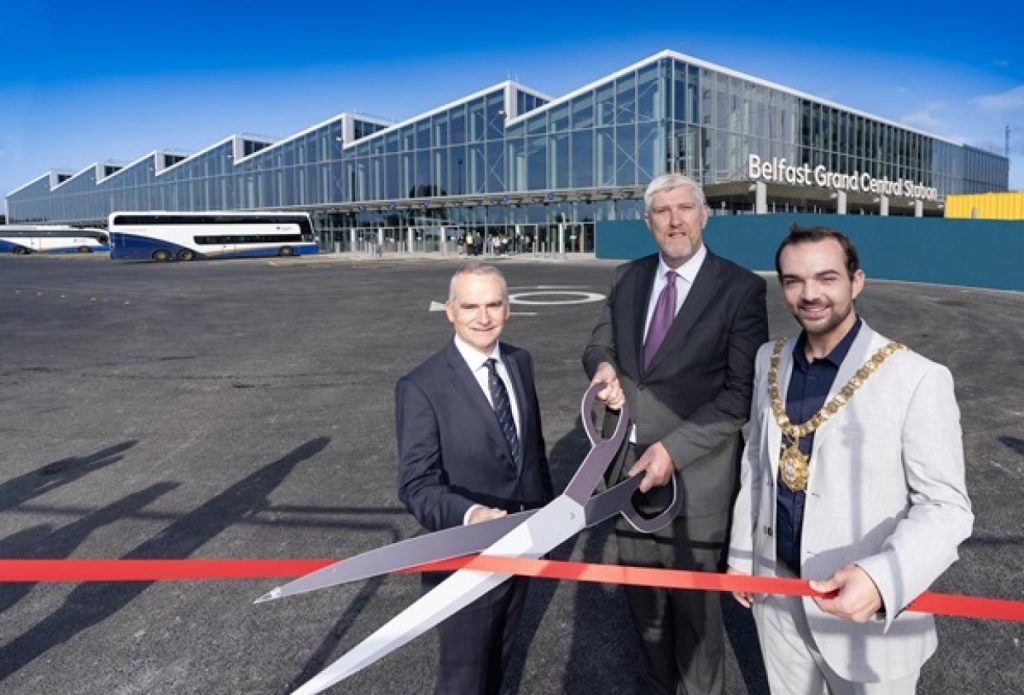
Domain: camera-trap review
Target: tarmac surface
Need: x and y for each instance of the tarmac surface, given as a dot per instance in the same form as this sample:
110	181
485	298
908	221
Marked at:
244	409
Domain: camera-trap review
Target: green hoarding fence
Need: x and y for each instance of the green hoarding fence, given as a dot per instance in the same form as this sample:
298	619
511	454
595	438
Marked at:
974	253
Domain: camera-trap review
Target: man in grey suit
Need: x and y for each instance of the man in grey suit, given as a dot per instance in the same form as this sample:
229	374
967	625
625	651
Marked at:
853	477
676	340
470	448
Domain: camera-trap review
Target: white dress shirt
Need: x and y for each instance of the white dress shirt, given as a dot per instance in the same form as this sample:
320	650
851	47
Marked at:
687	273
477	363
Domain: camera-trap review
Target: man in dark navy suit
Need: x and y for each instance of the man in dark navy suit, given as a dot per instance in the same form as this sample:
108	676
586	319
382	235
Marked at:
470	449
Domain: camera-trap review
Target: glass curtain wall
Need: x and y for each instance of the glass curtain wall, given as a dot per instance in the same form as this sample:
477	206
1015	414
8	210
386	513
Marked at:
586	156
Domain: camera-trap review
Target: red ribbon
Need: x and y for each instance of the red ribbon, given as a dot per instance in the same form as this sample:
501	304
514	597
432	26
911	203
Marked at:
74	570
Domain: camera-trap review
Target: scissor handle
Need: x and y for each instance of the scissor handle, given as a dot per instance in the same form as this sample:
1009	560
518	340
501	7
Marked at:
637	521
586	406
602	451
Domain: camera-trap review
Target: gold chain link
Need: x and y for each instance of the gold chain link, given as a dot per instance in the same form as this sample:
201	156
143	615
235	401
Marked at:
794	466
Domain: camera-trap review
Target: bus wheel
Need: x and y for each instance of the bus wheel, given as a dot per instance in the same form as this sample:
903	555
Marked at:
19	251
186	255
286	251
84	249
161	255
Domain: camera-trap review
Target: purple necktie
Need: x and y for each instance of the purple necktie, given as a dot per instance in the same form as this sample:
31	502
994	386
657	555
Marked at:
664	312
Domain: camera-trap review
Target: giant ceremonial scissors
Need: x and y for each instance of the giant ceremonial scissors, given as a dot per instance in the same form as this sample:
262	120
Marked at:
527	534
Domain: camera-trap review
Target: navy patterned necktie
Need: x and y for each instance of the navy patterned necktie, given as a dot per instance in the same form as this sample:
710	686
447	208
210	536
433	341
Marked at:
502	408
661	320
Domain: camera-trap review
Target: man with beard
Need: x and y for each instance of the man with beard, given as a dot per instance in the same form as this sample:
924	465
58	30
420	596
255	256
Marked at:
852	477
676	340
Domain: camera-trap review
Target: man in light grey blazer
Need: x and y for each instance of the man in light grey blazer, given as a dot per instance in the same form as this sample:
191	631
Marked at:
852	477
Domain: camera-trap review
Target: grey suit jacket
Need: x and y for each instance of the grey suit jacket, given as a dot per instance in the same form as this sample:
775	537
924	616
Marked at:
695	396
886	492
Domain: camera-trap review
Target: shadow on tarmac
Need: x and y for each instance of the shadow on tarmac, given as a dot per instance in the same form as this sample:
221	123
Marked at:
91	603
25	487
42	542
1013	444
324	653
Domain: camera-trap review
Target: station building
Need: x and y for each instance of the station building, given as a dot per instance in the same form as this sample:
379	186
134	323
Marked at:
541	171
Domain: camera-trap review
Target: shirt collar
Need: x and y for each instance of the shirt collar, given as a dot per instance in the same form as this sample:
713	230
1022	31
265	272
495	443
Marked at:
473	357
838	353
688	270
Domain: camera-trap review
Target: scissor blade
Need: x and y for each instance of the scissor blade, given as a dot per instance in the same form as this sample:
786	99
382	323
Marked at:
546	529
448	597
432	547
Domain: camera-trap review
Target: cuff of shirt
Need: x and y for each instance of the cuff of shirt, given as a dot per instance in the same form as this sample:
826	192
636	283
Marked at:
465	517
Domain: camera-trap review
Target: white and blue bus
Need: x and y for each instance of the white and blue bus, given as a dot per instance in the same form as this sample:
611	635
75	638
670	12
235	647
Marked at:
25	239
163	236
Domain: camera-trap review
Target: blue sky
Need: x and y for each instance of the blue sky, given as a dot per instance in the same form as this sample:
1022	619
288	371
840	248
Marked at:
82	82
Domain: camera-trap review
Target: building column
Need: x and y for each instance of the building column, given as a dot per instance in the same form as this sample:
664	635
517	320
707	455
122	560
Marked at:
883	205
918	208
561	238
840	197
352	240
410	238
760	198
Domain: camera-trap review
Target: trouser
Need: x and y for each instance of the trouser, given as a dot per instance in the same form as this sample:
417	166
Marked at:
681	634
476	642
791	657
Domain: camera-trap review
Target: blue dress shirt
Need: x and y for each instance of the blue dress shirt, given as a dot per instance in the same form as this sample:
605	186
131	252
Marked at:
809	385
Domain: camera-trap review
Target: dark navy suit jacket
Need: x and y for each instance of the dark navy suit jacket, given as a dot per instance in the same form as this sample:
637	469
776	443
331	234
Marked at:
452	453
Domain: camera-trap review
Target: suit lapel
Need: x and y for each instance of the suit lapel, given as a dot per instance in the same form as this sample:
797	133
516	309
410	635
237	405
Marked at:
705	287
863	345
464	381
774	432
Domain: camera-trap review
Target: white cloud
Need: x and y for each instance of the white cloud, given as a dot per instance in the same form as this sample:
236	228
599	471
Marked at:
925	117
1011	100
922	119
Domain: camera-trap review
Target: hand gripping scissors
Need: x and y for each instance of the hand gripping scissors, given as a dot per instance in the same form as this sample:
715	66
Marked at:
528	534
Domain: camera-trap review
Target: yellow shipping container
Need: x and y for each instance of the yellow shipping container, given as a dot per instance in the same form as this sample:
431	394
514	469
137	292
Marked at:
986	206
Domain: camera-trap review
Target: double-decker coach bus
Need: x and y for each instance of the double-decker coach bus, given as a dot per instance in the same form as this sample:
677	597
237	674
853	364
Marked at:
25	239
163	236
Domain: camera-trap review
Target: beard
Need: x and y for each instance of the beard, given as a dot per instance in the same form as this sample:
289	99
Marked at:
836	317
680	253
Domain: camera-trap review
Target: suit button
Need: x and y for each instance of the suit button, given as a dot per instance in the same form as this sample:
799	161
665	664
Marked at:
768	531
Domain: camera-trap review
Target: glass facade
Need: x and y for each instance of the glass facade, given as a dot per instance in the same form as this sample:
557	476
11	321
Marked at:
510	160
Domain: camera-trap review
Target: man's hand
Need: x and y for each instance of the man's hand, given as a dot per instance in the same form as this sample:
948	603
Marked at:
656	465
482	513
858	597
744	598
612	395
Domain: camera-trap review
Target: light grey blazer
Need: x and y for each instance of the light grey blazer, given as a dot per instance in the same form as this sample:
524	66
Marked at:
886	492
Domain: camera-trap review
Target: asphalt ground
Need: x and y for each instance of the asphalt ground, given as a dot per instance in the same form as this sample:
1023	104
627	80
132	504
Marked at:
243	409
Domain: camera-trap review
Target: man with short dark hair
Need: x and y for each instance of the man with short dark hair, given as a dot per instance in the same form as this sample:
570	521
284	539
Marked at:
676	340
853	477
470	449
